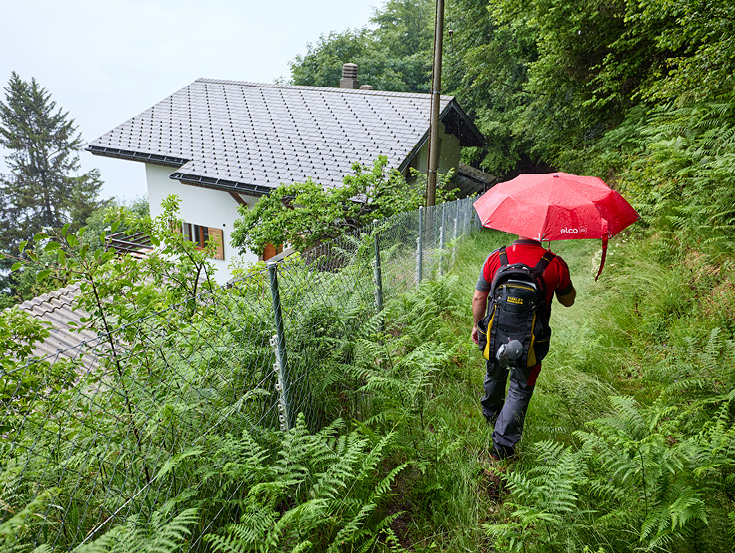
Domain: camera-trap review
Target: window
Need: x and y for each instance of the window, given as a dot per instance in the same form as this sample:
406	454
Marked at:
201	235
195	233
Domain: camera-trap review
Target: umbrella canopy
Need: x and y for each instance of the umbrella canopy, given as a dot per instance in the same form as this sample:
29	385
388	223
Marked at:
556	206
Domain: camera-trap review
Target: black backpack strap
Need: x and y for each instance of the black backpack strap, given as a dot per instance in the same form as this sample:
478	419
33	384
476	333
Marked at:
547	258
503	256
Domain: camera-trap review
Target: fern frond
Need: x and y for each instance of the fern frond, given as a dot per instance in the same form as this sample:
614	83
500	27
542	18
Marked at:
352	529
162	535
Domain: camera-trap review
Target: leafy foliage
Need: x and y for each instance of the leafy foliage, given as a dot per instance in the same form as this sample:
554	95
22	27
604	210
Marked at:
305	214
71	425
165	533
395	55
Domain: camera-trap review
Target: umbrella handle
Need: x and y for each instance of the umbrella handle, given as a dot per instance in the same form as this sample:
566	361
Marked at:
604	254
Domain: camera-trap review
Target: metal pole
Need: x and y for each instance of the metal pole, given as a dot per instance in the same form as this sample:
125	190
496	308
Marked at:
436	85
461	219
283	385
468	211
420	248
456	220
464	218
454	238
441	240
378	275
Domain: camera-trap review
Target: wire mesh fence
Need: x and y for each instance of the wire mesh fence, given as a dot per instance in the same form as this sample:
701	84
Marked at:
93	435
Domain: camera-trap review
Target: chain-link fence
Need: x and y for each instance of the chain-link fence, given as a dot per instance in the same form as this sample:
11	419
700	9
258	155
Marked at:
93	435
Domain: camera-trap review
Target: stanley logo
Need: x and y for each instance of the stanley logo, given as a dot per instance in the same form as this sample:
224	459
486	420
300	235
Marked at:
517	301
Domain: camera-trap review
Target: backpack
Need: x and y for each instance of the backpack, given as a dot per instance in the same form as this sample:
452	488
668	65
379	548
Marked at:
515	331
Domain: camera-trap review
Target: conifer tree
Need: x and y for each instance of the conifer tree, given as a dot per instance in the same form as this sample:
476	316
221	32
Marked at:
44	187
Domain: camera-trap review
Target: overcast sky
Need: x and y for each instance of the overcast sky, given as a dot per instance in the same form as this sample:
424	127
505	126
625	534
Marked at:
105	61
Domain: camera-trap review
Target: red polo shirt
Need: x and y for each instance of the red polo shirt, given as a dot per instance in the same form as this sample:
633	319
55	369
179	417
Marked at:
556	275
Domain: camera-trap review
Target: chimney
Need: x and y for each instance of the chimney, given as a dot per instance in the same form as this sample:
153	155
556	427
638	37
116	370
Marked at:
349	76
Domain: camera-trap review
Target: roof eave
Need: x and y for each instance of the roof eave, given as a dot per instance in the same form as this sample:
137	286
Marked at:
158	159
415	150
475	137
222	184
451	107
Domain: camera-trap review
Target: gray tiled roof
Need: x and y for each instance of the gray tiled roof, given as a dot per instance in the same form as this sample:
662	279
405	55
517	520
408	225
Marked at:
65	340
251	137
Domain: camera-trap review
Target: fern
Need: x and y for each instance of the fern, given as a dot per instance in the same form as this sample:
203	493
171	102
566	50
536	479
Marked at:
544	497
635	471
163	534
17	533
319	492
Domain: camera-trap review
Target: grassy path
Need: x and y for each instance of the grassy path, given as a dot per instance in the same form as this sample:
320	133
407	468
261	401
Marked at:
633	333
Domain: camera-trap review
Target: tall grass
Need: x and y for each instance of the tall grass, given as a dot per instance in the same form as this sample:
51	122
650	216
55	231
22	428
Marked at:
629	442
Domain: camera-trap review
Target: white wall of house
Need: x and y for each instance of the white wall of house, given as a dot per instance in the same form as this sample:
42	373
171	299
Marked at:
200	206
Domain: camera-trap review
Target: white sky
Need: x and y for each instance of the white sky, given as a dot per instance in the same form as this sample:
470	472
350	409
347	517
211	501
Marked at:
105	61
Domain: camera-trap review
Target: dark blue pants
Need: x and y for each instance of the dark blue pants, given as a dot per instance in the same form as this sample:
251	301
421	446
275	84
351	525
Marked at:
507	412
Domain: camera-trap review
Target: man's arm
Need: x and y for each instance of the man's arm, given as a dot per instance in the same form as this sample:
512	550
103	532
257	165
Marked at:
479	306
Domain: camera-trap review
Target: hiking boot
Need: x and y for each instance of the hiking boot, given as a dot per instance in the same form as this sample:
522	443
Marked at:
501	453
495	455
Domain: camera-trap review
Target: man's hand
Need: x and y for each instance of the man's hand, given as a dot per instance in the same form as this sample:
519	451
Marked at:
479	306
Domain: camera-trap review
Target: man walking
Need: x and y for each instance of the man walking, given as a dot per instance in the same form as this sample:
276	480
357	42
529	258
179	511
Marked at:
524	362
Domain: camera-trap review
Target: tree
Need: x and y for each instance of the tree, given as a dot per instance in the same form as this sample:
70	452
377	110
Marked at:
486	67
44	188
324	214
696	38
396	55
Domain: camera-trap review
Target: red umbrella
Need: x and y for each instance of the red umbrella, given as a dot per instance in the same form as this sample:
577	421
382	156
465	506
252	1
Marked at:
556	206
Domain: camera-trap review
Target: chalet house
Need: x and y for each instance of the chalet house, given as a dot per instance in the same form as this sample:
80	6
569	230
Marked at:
219	144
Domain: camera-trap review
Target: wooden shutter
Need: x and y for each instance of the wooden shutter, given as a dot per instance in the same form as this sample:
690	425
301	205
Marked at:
268	251
271	251
216	235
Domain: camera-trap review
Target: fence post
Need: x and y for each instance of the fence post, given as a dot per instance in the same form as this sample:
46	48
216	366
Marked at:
283	386
420	247
456	221
441	228
469	216
454	238
378	273
463	216
466	218
441	240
